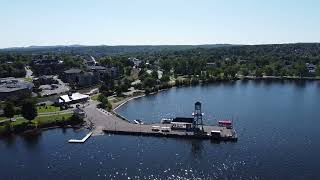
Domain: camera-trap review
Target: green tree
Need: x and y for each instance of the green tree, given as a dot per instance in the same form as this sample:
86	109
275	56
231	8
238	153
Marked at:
283	72
244	71
258	72
29	110
9	110
230	72
119	90
127	70
105	104
165	78
268	70
301	69
318	70
149	82
165	65
154	74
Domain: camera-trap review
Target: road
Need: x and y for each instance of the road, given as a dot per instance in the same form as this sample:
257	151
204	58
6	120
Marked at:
102	119
61	88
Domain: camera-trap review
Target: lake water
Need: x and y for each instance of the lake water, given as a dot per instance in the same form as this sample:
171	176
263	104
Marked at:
277	122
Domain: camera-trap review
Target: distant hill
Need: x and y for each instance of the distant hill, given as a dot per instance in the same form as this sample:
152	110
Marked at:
106	50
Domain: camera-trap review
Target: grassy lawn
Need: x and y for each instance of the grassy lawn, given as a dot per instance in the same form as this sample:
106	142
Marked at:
95	97
116	100
28	79
2	118
15	117
54	118
22	124
41	119
43	109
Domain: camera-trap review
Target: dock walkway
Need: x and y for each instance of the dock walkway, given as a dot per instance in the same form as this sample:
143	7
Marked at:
146	130
81	140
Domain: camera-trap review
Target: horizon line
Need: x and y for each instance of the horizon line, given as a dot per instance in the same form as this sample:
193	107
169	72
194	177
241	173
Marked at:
116	45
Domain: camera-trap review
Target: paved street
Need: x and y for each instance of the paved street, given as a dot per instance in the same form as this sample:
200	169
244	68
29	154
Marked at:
102	119
61	87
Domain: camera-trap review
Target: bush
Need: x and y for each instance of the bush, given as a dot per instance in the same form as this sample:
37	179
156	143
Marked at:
194	81
105	104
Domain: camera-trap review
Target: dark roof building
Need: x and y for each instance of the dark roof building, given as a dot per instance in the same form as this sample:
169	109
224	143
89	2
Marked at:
182	120
97	68
182	123
12	87
73	71
46	65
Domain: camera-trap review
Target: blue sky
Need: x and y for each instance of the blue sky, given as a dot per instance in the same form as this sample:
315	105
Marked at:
136	22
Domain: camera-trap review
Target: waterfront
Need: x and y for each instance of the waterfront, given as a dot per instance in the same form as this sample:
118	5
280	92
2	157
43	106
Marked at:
277	123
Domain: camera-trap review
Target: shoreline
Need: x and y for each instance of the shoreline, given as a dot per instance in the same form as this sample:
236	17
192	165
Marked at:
130	98
277	78
126	100
41	129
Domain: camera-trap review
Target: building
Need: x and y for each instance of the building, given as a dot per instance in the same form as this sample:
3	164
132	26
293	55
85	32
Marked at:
211	65
182	123
72	98
46	65
49	79
311	68
98	71
79	77
136	62
14	88
92	76
90	61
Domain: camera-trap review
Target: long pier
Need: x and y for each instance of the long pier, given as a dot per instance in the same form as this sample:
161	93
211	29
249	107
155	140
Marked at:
147	130
111	124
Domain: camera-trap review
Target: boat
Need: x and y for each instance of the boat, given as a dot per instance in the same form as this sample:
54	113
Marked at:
138	121
166	120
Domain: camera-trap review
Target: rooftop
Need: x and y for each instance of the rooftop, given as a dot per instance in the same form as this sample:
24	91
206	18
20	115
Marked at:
13	84
182	120
73	97
73	71
96	68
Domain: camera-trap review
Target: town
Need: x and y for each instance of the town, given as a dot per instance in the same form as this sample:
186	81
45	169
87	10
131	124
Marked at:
41	89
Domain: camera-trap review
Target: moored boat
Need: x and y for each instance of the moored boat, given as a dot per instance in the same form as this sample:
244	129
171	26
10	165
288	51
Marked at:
138	121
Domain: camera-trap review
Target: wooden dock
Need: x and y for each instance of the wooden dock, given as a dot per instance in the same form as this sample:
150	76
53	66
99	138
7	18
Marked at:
80	140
